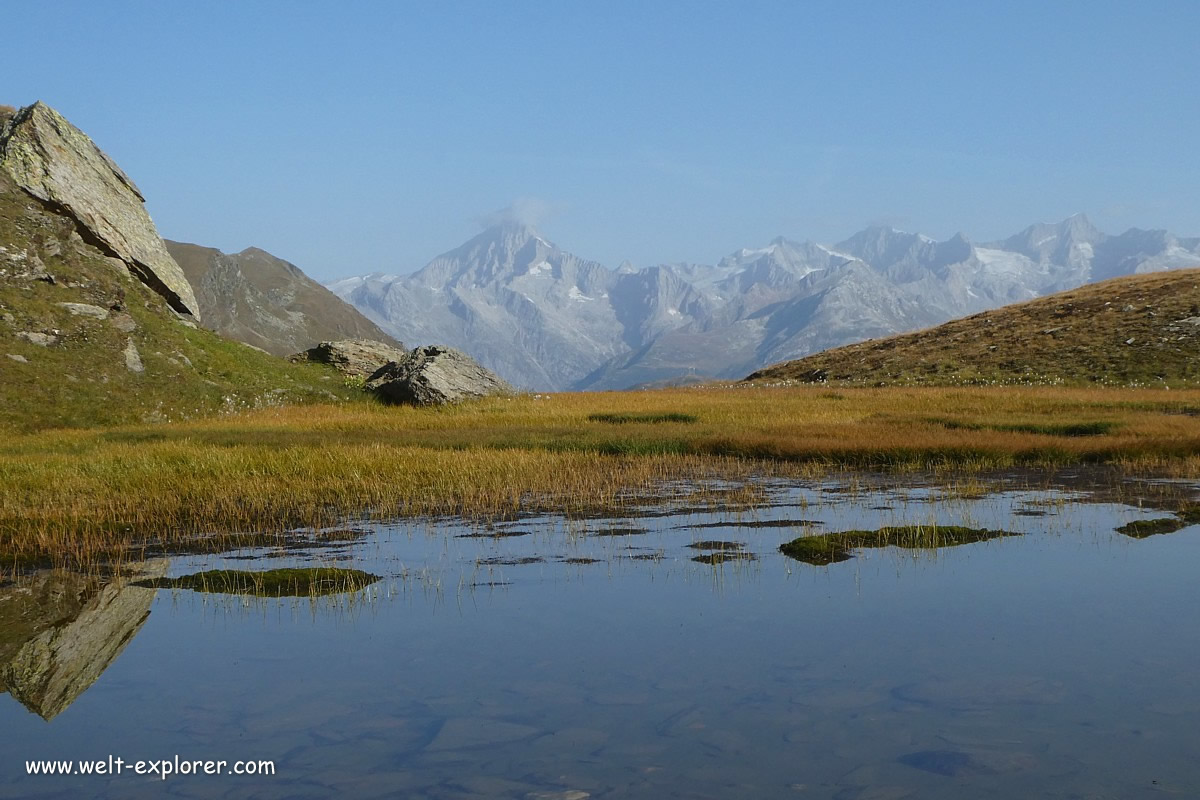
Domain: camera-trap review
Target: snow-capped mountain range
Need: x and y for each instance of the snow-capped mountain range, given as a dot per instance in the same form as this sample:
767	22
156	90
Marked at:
546	319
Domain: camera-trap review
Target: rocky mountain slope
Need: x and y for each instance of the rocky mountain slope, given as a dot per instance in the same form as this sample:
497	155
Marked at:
532	312
96	319
1141	330
259	299
546	319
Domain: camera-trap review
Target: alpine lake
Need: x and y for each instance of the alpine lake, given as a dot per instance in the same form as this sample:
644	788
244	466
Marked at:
1019	636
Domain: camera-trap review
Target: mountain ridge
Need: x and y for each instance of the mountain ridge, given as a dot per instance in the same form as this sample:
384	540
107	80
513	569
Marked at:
546	319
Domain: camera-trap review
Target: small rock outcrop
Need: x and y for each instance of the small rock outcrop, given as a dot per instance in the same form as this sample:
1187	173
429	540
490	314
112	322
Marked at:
434	375
356	358
58	164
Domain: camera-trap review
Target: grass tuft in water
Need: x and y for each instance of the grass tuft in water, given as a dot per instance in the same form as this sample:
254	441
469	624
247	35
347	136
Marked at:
1142	528
830	548
297	582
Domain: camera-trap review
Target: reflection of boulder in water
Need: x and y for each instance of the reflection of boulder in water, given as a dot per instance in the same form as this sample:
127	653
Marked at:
59	631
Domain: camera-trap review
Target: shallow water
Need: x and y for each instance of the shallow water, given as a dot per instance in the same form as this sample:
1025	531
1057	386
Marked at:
562	661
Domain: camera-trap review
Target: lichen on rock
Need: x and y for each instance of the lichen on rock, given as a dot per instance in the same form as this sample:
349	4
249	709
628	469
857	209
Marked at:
435	375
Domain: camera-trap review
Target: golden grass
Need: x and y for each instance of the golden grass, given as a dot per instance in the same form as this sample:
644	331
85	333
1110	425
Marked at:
1137	330
84	495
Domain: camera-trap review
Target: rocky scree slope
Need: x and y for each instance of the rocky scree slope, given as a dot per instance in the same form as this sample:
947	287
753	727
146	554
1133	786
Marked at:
1140	330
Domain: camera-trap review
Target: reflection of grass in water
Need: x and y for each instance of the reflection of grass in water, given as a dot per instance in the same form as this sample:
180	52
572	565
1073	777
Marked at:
756	523
831	548
724	556
291	582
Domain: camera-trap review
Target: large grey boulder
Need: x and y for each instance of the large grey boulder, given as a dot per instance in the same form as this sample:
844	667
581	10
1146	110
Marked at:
58	164
434	375
353	357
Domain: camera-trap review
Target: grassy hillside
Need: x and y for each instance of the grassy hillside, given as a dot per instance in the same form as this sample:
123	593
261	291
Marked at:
1140	330
78	365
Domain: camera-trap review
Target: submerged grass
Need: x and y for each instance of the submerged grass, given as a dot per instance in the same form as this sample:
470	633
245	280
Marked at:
90	495
830	548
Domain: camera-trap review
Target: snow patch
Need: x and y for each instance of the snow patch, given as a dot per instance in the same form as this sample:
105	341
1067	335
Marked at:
540	268
748	253
1002	261
835	253
576	295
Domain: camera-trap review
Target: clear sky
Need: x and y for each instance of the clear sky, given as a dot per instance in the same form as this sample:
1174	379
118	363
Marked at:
354	137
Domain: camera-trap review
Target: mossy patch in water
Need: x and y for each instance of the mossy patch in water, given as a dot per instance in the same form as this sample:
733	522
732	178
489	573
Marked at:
304	582
1189	514
830	548
1142	528
507	561
620	532
713	544
494	534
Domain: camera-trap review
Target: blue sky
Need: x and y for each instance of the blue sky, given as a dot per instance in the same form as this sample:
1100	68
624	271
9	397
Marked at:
360	136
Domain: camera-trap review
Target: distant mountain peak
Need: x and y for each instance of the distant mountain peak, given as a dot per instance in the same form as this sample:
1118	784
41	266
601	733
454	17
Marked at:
543	318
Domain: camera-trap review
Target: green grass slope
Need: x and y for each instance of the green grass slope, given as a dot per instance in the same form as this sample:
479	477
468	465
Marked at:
64	369
1139	330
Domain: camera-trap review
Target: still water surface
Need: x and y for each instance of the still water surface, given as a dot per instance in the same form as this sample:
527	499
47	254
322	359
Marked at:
565	663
